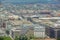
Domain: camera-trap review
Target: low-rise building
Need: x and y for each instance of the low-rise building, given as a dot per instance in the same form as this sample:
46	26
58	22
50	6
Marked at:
2	32
39	31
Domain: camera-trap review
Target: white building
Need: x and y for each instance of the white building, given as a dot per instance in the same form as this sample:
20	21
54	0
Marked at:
39	31
2	32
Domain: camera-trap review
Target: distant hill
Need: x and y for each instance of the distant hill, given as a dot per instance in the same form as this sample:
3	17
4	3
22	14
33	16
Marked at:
30	1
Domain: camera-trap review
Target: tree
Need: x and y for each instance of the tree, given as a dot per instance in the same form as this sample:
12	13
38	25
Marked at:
7	31
1	38
23	38
16	38
5	38
58	38
31	36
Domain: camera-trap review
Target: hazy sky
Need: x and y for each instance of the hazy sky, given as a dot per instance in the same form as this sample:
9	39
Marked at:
30	1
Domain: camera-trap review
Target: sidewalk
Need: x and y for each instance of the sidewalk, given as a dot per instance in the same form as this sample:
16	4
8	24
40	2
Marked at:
45	39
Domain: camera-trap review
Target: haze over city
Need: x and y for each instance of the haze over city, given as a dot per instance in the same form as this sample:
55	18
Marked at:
29	19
